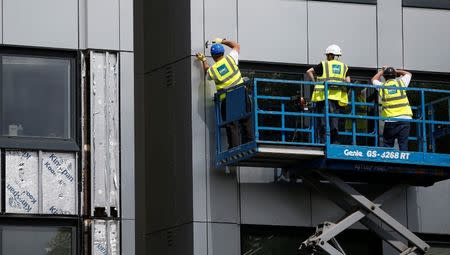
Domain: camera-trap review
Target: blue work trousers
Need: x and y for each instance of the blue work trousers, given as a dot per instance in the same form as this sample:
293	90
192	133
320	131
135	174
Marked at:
333	107
396	130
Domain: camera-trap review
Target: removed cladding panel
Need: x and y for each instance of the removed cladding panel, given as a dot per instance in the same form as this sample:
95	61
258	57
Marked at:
59	182
104	84
105	237
114	237
22	181
99	238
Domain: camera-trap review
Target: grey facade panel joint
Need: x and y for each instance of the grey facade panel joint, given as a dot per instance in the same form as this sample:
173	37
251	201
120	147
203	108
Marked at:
431	4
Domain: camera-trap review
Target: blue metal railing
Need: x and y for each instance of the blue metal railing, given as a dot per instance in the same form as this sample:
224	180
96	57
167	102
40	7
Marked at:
424	118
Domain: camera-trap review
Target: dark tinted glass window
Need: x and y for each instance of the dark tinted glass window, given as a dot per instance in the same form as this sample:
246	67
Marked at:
36	98
433	4
271	240
19	240
351	1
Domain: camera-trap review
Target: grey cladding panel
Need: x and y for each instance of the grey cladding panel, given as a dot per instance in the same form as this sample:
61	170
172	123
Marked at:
275	204
127	135
126	25
390	38
45	23
200	124
428	208
225	239
351	26
220	20
425	42
128	237
273	31
223	196
103	24
197	24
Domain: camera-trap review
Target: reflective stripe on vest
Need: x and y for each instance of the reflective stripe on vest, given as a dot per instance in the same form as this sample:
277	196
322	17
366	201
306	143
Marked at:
333	71
225	73
394	101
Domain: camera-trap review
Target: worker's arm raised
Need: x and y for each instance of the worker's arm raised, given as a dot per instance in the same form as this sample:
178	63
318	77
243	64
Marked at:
232	44
403	72
377	76
311	73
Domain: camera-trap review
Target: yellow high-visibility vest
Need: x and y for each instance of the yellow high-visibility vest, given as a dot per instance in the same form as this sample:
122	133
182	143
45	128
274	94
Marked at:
333	71
394	101
225	73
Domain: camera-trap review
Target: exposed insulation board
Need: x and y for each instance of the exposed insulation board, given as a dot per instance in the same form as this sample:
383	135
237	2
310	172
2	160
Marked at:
59	182
22	182
99	238
104	84
106	237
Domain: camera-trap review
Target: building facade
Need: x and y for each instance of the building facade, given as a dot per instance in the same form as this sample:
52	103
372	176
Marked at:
67	141
186	206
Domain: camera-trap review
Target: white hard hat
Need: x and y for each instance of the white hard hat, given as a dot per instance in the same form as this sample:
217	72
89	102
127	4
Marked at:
333	49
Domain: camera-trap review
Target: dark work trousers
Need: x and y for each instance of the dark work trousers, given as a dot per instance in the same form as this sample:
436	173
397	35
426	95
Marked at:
333	107
396	130
237	128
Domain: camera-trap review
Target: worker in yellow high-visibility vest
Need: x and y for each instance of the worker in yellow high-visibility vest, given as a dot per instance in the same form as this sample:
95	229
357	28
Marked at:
395	105
225	73
333	71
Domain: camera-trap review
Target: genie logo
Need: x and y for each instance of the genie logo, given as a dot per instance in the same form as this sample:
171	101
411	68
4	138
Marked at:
353	153
336	69
223	69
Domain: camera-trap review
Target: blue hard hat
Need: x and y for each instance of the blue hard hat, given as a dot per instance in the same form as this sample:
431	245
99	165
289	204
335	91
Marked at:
217	49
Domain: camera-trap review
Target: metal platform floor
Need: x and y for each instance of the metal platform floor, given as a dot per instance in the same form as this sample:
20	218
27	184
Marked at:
305	158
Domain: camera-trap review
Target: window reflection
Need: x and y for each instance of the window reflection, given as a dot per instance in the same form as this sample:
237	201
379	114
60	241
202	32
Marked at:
38	240
35	96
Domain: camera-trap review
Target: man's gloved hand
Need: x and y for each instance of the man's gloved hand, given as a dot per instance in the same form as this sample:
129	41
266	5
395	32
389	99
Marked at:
201	57
218	40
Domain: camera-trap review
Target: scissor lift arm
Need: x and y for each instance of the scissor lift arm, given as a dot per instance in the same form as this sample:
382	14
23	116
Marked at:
358	209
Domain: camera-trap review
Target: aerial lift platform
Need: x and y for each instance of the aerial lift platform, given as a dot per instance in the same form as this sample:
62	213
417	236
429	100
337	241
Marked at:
286	137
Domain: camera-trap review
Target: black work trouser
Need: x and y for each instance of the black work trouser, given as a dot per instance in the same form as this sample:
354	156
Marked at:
237	128
396	130
333	107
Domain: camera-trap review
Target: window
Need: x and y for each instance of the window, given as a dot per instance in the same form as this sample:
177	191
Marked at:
433	4
39	240
37	92
439	244
351	1
271	240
